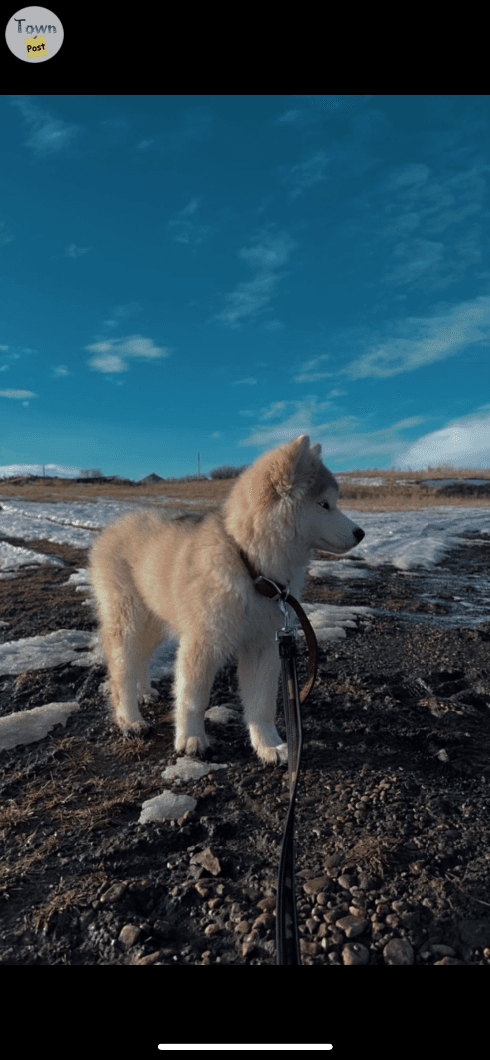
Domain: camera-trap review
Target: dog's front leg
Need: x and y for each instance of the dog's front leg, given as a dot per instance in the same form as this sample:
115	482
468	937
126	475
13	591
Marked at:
258	673
194	675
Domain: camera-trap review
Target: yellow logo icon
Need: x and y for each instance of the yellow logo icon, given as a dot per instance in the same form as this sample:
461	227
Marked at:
36	47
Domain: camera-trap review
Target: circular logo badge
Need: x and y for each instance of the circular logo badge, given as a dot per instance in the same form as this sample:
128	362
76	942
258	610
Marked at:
34	34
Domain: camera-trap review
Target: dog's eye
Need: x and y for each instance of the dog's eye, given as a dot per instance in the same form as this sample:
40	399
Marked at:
324	504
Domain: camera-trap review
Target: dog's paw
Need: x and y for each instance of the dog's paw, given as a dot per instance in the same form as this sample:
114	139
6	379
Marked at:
136	728
193	745
267	744
277	755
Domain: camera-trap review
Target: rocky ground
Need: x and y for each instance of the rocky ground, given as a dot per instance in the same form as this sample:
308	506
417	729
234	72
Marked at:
393	812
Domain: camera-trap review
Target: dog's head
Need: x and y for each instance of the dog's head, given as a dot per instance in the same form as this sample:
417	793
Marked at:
289	496
325	525
333	531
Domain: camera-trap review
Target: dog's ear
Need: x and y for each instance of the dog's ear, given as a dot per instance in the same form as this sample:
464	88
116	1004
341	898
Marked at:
316	449
299	450
301	444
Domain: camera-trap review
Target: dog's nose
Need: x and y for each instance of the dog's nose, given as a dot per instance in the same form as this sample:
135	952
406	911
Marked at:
359	534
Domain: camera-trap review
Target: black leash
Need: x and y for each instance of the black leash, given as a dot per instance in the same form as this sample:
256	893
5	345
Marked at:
287	940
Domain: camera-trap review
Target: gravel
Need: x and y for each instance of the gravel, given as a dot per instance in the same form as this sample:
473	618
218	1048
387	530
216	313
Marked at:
393	809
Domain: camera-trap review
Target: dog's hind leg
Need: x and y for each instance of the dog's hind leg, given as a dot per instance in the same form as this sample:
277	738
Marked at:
152	634
258	674
122	647
128	716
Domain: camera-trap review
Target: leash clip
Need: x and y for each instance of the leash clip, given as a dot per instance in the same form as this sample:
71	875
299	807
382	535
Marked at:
287	628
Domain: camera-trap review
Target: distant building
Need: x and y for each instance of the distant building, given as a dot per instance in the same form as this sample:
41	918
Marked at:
152	478
91	474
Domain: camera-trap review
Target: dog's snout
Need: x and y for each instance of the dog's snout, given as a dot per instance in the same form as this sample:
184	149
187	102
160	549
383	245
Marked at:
359	534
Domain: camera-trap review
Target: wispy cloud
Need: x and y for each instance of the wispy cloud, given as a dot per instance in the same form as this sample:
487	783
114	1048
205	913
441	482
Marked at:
437	338
72	251
269	251
305	175
319	108
112	355
184	227
18	395
48	135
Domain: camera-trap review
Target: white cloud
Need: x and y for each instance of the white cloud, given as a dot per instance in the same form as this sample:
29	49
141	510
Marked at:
112	354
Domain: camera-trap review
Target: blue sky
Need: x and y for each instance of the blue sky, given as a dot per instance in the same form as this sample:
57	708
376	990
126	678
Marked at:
218	274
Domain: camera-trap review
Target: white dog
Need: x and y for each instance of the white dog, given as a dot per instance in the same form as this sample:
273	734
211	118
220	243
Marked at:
156	577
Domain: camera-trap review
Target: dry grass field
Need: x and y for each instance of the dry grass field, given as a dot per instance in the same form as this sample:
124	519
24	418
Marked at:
391	490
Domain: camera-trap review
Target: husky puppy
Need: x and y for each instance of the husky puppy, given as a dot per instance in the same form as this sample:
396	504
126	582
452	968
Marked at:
156	577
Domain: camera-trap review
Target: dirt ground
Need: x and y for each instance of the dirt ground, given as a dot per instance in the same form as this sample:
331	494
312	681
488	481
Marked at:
393	811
